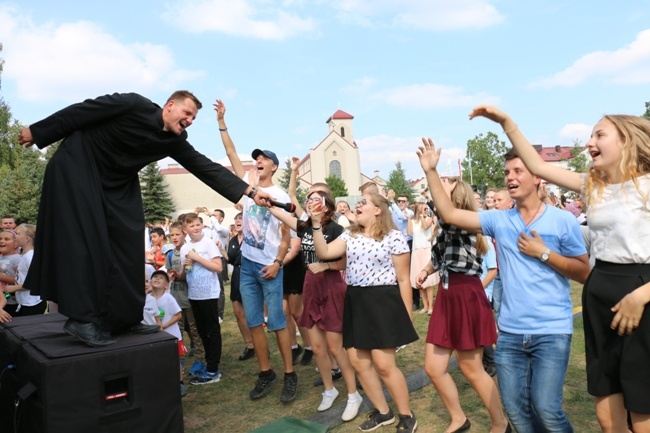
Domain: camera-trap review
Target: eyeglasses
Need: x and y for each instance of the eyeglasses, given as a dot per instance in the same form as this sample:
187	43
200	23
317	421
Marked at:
315	199
362	202
402	201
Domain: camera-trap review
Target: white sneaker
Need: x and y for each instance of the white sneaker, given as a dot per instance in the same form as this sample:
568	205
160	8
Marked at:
328	399
352	408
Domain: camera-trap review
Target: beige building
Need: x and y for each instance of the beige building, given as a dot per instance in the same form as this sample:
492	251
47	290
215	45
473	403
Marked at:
336	154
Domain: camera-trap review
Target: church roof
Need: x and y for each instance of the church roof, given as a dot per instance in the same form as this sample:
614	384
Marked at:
340	114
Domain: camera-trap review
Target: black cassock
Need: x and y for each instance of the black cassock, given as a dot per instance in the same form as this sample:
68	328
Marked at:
89	250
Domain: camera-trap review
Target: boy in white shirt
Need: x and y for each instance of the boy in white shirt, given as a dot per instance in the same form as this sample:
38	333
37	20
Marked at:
202	263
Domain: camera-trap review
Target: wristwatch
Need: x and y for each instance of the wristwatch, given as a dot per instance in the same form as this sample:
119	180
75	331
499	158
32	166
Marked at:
279	262
545	255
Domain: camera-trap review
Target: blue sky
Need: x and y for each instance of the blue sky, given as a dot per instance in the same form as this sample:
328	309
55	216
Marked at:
405	69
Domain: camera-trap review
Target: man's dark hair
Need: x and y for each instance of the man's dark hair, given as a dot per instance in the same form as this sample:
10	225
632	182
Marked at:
158	231
8	216
181	95
222	213
511	154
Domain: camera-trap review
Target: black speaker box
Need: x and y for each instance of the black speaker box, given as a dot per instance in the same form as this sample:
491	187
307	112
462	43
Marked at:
51	383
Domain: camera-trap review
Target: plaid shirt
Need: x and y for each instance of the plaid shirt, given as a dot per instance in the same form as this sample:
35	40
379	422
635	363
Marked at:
455	251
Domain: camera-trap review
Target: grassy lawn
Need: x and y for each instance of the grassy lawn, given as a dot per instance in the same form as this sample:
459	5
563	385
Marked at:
225	406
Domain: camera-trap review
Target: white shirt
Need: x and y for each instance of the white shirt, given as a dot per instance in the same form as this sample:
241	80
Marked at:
370	262
23	296
202	283
619	223
168	308
262	233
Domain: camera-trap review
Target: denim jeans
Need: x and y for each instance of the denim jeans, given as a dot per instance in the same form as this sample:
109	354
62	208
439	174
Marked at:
531	371
256	291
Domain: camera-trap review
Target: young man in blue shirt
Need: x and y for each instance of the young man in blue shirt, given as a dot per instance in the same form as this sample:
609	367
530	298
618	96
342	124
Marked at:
540	248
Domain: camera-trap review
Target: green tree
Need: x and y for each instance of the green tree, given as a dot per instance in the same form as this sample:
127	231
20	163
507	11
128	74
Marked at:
647	110
20	187
337	185
301	193
483	165
578	160
398	183
156	200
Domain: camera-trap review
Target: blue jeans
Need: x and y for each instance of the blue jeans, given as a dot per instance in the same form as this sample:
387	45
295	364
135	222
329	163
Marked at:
255	291
531	371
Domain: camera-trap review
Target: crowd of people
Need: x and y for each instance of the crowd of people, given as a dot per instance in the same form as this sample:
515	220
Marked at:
492	271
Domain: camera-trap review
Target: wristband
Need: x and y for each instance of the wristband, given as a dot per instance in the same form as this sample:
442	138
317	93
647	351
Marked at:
252	193
316	229
279	262
223	129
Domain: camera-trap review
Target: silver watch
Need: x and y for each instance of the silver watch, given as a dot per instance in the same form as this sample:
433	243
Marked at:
545	255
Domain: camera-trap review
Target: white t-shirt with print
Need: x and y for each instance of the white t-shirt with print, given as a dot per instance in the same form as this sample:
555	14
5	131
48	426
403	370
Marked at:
370	262
262	234
168	308
150	310
202	283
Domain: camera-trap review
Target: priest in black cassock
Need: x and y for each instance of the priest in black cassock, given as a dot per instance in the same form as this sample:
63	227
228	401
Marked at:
89	252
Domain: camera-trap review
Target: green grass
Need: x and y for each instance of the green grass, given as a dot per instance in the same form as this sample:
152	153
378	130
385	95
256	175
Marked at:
225	406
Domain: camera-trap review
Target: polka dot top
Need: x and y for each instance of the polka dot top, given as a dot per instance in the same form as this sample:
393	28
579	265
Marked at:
370	262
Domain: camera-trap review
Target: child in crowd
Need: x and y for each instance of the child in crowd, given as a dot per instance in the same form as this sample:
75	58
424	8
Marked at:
9	259
178	289
151	313
28	304
202	263
155	255
377	275
170	314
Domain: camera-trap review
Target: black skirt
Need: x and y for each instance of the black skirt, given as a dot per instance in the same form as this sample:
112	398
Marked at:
375	317
616	364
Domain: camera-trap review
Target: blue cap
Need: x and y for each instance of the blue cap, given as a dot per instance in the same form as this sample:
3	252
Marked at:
270	155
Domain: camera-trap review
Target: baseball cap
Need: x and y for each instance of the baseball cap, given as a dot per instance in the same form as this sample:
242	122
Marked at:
270	155
159	272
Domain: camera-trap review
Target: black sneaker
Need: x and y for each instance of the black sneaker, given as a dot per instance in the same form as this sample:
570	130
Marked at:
262	385
336	375
295	353
306	357
375	420
248	353
290	388
407	424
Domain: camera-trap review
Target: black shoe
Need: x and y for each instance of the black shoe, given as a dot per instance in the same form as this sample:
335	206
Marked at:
141	328
295	353
375	420
290	388
407	424
87	332
336	375
464	427
248	353
262	385
306	357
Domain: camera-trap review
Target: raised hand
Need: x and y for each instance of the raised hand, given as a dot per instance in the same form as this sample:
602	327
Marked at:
428	155
294	163
489	112
220	108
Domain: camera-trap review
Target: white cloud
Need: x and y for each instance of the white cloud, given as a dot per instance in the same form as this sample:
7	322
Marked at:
263	19
69	61
382	152
628	65
438	15
361	85
429	95
576	131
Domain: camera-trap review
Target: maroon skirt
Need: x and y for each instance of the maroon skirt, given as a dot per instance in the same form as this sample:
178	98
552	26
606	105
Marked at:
462	317
323	296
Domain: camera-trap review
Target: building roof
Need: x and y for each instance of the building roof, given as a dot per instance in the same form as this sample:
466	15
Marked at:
554	154
340	114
